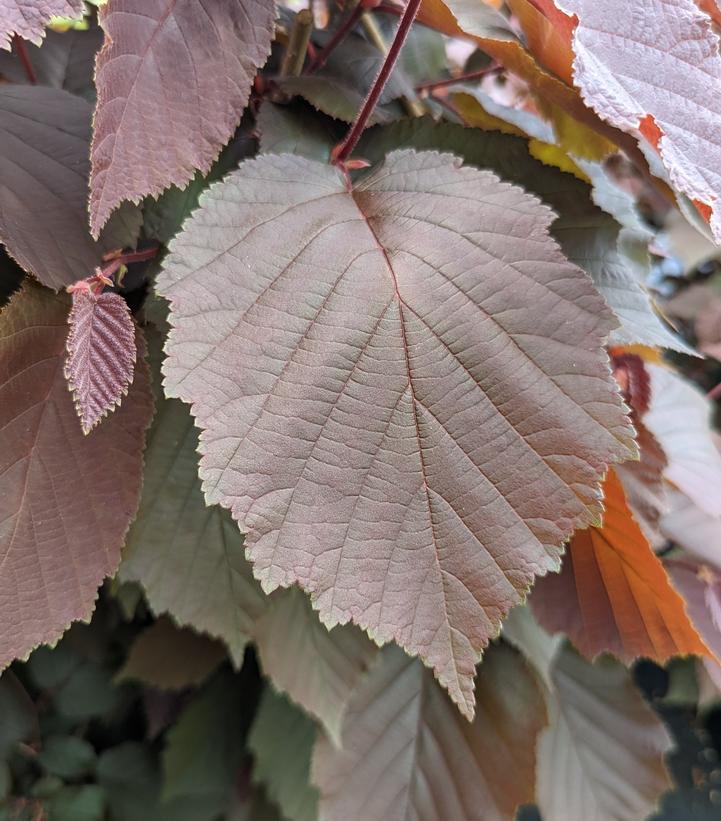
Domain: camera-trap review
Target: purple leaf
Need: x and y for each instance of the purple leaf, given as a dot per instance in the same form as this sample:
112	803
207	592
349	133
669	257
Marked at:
173	79
27	18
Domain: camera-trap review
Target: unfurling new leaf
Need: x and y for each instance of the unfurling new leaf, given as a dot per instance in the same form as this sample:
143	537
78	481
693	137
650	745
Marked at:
100	353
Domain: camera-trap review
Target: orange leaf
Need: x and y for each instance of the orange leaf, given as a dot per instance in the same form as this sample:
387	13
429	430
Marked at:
497	40
549	33
614	595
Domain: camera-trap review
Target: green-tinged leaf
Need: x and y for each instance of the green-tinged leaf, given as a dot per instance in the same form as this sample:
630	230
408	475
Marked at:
281	741
66	499
420	321
587	235
68	757
188	557
405	748
336	98
64	60
50	667
163	217
82	803
87	693
18	717
131	778
204	748
296	129
317	668
170	657
602	756
339	88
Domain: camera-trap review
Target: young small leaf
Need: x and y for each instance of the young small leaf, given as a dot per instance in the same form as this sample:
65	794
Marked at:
426	334
100	354
173	79
28	18
66	499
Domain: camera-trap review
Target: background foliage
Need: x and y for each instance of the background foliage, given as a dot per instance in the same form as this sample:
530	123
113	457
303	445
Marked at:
359	409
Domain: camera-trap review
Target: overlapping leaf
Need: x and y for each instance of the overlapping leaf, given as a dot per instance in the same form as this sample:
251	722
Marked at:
408	754
587	235
364	445
171	658
66	500
189	559
318	668
654	77
64	60
693	529
172	80
44	140
679	418
613	594
281	741
27	18
100	353
601	758
600	732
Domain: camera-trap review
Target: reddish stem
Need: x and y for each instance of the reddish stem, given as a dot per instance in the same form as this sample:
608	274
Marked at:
461	78
339	35
22	53
714	393
128	257
344	148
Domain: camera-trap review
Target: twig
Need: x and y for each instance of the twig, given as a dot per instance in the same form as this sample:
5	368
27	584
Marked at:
413	107
343	150
22	53
461	78
343	30
297	47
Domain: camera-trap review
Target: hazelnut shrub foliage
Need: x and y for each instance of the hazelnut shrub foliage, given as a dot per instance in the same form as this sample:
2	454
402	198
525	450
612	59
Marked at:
331	361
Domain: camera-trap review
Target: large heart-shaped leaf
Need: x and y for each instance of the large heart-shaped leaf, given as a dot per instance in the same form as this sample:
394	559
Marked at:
364	366
66	499
173	79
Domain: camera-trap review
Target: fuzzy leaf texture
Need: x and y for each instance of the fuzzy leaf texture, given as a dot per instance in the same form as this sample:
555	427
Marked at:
658	77
613	594
427	333
100	354
173	79
27	18
66	500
